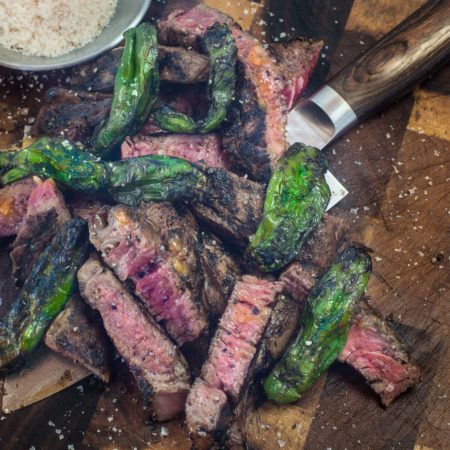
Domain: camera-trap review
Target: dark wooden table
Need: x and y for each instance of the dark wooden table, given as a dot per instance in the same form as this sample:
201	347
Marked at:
397	169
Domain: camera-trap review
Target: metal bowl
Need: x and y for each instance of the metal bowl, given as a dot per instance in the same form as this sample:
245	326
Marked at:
128	14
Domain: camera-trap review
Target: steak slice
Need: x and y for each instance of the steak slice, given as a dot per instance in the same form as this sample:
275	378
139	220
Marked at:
155	249
256	138
220	273
13	205
187	28
231	353
205	148
374	350
98	75
46	212
76	335
73	114
296	60
176	65
158	366
315	257
183	66
232	207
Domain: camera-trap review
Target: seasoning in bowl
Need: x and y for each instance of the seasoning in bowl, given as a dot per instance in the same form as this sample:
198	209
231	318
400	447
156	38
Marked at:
52	27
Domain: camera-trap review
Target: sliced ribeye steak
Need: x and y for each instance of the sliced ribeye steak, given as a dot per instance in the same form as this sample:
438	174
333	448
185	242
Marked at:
296	60
46	212
75	334
158	366
232	350
232	206
70	113
205	148
374	350
155	248
220	273
13	205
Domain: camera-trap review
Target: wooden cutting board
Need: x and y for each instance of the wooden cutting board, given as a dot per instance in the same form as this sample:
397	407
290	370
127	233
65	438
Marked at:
397	169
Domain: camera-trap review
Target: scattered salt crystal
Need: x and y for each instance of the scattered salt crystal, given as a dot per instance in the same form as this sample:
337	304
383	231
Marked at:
110	418
308	343
281	443
164	432
51	424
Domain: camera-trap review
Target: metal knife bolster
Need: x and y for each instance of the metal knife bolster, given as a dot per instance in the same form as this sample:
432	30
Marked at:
320	119
317	121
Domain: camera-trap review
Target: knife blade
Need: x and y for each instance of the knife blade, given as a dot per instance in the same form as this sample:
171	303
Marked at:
46	374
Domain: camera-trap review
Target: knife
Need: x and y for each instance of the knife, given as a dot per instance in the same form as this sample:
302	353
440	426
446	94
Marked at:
392	67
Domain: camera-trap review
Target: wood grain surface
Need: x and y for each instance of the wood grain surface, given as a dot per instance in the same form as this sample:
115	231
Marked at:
396	167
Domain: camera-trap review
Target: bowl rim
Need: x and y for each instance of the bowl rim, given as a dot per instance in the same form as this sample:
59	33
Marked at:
49	66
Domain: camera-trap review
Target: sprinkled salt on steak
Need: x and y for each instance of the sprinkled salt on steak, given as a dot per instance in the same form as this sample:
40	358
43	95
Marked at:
375	351
231	352
220	273
186	28
296	60
256	138
176	65
180	65
156	363
13	205
232	207
75	335
73	114
315	257
205	148
155	248
46	212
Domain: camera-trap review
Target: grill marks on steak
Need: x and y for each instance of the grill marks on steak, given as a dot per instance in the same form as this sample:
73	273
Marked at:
155	248
180	65
257	137
373	349
231	353
315	257
13	205
205	148
220	273
73	114
46	212
77	336
232	207
296	60
155	361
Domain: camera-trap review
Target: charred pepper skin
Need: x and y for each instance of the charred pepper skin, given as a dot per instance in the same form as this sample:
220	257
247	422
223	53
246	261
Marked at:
130	181
326	323
222	50
55	158
296	199
136	89
44	293
154	178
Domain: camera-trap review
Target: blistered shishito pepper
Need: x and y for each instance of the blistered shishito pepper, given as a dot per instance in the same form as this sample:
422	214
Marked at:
130	181
296	199
222	50
55	158
326	323
136	89
44	294
154	178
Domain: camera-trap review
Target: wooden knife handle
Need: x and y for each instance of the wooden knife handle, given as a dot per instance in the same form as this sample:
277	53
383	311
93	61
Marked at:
398	61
